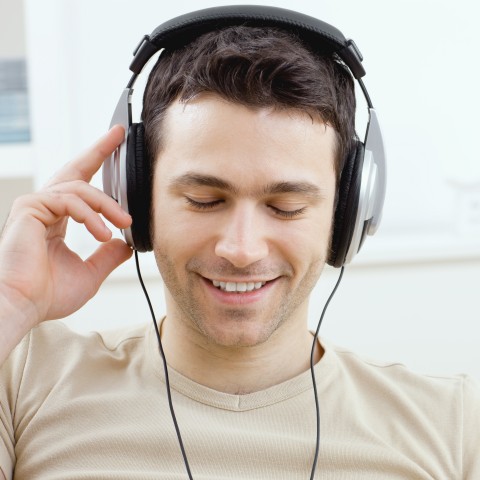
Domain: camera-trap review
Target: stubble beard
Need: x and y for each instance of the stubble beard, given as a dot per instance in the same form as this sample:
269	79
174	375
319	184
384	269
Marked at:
194	315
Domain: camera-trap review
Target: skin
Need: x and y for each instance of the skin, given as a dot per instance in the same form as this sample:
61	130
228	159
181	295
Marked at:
248	198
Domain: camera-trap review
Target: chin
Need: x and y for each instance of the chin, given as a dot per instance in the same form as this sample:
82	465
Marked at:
239	333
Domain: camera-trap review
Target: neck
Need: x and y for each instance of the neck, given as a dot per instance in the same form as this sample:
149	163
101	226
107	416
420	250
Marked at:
238	370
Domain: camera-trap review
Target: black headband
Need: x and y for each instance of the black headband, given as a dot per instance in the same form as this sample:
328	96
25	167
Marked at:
320	36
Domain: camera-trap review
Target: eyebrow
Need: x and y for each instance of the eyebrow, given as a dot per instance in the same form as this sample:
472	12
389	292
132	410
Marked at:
306	189
200	180
192	179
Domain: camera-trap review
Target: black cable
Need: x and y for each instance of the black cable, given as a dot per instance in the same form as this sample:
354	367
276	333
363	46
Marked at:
365	93
167	380
132	81
317	407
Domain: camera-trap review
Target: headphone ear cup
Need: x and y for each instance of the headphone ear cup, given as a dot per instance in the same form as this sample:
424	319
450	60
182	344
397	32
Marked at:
138	187
347	206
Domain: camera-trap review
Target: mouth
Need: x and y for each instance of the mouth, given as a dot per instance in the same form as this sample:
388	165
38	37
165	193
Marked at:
238	287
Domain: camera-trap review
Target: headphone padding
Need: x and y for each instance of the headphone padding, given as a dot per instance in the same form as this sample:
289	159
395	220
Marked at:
138	187
347	206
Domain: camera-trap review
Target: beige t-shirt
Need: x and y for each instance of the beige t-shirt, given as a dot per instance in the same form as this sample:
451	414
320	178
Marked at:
95	407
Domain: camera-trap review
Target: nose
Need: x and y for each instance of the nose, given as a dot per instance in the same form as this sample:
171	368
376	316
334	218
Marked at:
242	239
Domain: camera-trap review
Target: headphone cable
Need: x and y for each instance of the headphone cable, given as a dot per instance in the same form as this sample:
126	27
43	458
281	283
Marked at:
312	370
167	379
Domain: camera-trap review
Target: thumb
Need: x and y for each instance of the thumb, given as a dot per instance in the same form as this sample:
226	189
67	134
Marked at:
106	258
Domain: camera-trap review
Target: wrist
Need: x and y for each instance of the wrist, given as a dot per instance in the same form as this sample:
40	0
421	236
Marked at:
17	317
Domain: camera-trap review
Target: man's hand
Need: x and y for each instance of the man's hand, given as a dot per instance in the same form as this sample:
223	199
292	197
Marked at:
40	277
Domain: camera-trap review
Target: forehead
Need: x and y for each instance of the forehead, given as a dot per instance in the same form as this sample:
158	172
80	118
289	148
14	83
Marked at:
210	135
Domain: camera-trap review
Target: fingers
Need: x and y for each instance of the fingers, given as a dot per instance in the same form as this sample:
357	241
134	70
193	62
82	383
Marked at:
68	194
86	165
80	201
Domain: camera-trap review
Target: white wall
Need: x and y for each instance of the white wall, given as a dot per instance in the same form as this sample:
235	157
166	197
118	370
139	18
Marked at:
412	294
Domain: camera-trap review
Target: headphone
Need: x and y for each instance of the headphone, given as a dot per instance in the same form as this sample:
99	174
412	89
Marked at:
361	195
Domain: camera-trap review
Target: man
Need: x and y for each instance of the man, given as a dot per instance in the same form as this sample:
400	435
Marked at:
247	130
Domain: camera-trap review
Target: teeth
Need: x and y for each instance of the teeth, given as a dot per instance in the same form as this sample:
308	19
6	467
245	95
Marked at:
238	286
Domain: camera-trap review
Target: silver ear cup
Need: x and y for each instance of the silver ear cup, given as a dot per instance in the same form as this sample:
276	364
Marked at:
374	144
365	203
372	187
114	171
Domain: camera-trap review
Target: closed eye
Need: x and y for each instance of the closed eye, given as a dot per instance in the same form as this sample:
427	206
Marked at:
202	205
214	203
287	213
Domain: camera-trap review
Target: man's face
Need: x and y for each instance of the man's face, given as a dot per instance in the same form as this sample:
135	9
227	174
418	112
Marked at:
242	213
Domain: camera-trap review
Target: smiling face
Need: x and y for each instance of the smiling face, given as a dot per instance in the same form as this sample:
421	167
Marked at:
242	214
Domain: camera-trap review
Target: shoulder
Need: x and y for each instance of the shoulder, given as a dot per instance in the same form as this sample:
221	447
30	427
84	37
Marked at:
437	413
59	335
431	419
52	349
401	390
395	387
54	357
392	373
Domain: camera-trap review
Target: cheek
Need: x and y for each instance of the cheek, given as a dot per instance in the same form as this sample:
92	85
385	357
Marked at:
162	214
305	244
174	233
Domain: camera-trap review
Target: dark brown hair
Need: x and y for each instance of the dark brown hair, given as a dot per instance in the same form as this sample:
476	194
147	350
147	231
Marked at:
255	67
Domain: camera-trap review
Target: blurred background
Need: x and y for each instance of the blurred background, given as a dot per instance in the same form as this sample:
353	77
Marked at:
411	295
